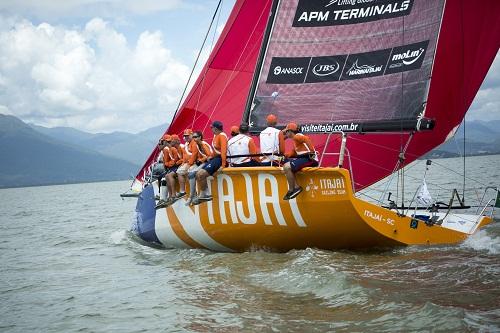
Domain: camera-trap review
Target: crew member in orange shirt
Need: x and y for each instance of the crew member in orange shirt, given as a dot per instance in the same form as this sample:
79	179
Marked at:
176	153
218	161
201	152
183	169
303	155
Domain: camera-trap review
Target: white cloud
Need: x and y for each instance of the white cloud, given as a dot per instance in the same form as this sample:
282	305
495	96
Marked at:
44	9
486	105
5	110
90	78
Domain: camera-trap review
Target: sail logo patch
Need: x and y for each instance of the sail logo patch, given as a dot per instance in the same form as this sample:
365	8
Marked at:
288	70
325	69
365	69
347	67
364	65
294	70
407	57
320	13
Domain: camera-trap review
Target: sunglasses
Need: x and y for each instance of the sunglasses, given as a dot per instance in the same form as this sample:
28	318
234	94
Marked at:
196	136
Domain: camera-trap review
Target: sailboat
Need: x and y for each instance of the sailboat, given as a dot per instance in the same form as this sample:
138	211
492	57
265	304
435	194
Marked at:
375	84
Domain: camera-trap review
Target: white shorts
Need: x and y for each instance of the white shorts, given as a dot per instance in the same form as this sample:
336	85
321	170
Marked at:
183	169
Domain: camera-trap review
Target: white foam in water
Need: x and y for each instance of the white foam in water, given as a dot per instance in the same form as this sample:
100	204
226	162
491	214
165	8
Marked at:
481	241
118	237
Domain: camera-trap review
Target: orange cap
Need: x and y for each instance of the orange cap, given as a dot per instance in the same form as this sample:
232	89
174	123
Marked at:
175	137
235	129
292	127
166	137
188	131
271	118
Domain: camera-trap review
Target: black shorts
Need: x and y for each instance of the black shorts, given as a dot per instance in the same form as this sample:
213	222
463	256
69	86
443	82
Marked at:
172	169
213	165
299	163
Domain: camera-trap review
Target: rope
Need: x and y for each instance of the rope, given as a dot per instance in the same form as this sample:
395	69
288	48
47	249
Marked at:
197	58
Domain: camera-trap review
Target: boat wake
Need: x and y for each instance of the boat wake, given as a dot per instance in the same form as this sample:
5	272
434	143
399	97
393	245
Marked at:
483	241
308	273
118	237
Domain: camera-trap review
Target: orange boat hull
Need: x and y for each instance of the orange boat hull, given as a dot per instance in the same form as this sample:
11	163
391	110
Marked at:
248	213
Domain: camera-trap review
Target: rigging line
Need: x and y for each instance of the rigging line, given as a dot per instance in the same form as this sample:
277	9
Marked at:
374	144
196	61
400	160
463	84
243	61
457	173
207	67
234	70
401	154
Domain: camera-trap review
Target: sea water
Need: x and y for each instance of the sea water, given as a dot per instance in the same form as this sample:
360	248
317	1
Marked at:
70	264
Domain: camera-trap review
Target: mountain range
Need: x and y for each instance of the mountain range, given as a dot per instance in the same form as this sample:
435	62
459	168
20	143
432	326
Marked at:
36	155
481	138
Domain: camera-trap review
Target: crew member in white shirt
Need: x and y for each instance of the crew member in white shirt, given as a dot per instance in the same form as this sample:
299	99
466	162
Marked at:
272	141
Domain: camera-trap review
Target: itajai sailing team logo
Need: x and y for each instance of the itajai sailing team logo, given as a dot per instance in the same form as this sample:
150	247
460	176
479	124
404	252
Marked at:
326	187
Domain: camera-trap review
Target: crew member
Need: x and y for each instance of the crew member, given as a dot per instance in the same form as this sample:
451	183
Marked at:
158	168
172	158
184	167
243	146
218	161
235	130
201	153
303	155
272	142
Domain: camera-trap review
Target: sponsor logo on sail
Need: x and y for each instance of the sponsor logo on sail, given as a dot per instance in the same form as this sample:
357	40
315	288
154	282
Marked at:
407	57
292	70
363	65
363	69
325	69
288	70
313	13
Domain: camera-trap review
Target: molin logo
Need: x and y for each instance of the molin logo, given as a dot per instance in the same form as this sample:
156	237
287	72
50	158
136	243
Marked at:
363	69
290	70
408	57
325	69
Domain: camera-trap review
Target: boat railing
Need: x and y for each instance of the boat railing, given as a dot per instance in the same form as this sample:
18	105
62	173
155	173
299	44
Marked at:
483	205
341	152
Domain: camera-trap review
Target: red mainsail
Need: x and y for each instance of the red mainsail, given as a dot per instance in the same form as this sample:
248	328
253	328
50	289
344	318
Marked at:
460	48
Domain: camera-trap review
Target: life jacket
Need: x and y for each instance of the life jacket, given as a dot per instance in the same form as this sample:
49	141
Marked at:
202	152
269	143
213	142
303	145
187	152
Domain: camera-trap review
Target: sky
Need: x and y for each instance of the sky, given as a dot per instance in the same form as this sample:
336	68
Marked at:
118	65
